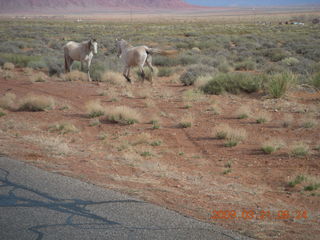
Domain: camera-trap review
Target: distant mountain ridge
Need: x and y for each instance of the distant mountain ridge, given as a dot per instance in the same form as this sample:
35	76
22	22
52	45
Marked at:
16	6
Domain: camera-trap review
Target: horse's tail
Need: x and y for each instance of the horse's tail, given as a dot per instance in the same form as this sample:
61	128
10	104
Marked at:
151	51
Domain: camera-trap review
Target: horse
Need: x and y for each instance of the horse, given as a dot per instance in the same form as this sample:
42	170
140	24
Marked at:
82	52
134	56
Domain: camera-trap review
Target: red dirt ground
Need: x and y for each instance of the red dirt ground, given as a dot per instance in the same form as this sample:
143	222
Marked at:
186	172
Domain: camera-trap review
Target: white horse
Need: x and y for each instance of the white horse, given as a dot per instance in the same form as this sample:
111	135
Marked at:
134	56
82	52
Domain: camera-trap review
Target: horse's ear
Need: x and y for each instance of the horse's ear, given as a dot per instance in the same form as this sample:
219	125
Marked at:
94	40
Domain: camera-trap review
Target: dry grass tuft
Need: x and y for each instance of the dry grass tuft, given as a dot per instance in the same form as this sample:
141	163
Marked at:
186	121
221	131
39	77
308	122
34	103
202	81
243	112
272	146
123	115
94	109
235	136
299	149
8	101
263	117
287	120
8	66
63	128
113	78
193	95
75	76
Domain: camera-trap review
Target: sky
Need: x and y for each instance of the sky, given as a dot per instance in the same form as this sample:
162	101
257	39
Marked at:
251	2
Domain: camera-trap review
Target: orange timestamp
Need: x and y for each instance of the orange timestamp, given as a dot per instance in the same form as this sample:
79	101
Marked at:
259	215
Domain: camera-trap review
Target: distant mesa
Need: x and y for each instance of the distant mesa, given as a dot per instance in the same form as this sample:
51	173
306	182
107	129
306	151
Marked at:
78	6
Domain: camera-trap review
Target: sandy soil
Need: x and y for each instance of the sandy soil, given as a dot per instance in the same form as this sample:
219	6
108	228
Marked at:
190	171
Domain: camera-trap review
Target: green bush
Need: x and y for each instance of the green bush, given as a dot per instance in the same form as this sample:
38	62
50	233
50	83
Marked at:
194	72
164	61
234	83
39	64
246	65
165	72
275	54
19	60
315	80
279	84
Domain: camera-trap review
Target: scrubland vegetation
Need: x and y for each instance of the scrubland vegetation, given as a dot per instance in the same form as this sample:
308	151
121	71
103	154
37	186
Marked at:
231	111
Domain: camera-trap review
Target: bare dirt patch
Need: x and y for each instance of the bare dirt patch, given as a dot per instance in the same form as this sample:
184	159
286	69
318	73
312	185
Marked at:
185	169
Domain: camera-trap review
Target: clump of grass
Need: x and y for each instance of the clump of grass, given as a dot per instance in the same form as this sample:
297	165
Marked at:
186	121
194	72
156	143
94	122
235	136
39	77
2	113
148	74
8	101
202	81
8	75
214	108
287	120
94	109
272	146
155	124
34	103
221	131
102	136
165	72
312	187
8	66
146	154
315	80
63	128
142	138
263	117
308	123
75	76
192	95
299	150
113	78
243	112
123	115
279	83
299	179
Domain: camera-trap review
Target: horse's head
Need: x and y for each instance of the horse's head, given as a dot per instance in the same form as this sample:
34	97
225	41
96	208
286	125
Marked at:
120	45
94	46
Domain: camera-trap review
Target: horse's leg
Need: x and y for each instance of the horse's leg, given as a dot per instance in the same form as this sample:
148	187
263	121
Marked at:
70	64
149	62
126	73
89	64
81	66
143	75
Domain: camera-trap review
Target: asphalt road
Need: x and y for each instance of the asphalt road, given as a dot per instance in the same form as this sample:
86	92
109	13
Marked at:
35	204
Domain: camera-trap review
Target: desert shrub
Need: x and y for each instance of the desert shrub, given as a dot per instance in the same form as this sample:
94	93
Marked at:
2	113
290	61
186	59
76	76
275	54
224	67
308	122
94	109
38	64
233	83
8	101
148	74
55	65
279	84
63	128
315	80
19	60
298	179
123	115
194	72
245	65
165	72
272	68
164	61
35	103
8	66
96	72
